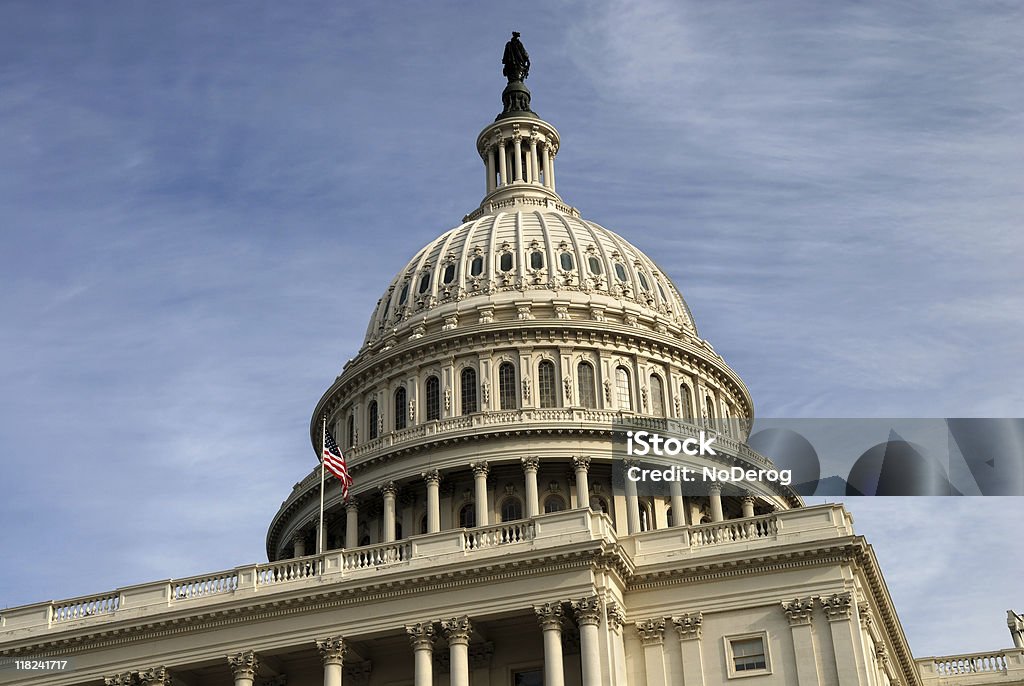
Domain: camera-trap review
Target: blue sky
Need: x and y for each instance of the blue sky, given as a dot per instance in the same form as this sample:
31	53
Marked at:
200	204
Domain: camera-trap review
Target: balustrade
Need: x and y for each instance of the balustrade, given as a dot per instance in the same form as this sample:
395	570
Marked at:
201	586
502	534
970	664
765	526
78	608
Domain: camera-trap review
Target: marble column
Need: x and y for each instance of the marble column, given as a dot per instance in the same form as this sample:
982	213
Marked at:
616	619
421	636
688	627
433	479
550	617
502	165
547	166
581	465
490	169
332	650
243	667
534	162
480	471
517	160
678	505
551	168
715	496
588	617
632	501
456	631
748	505
530	467
652	636
389	491
299	544
352	523
839	609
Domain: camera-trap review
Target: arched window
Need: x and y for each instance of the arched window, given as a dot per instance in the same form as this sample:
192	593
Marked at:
643	281
511	509
433	393
467	516
476	267
547	387
585	381
710	405
350	430
623	392
507	386
668	517
468	390
598	504
400	409
554	503
685	401
657	392
371	414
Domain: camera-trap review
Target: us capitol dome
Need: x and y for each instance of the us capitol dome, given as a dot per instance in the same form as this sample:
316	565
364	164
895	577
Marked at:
490	537
498	364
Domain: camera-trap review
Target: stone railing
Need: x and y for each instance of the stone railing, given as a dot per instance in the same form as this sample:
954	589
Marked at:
424	553
998	666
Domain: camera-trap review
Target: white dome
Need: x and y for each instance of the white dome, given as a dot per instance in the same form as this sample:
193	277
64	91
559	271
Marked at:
546	255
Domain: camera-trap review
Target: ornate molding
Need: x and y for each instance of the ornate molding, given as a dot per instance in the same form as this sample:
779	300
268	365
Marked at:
244	664
581	462
457	629
652	631
799	610
530	463
479	468
332	649
388	489
431	476
120	679
837	606
688	626
587	610
421	635
154	676
616	617
549	615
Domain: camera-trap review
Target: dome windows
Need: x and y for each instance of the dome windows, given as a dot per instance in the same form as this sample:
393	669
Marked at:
449	274
547	387
405	294
623	391
476	266
400	409
644	284
661	291
372	418
468	391
433	388
620	272
657	392
565	259
505	262
594	265
536	260
424	283
586	382
507	386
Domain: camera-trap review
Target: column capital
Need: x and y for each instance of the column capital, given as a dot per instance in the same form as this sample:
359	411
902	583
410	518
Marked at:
120	679
549	615
837	606
581	462
799	610
479	468
421	635
353	504
652	631
332	649
631	462
457	629
431	476
154	676
616	617
715	488
388	489
299	536
688	626
531	463
244	664
747	497
587	610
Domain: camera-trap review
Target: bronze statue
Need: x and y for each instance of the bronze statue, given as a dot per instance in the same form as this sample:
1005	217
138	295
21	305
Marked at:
516	60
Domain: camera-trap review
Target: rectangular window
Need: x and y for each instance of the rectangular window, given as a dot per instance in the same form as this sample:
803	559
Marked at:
748	654
528	677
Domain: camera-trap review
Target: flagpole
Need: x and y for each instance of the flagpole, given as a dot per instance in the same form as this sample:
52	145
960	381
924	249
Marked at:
323	467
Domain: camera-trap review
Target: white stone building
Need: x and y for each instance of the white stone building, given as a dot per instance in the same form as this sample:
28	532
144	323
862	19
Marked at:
489	540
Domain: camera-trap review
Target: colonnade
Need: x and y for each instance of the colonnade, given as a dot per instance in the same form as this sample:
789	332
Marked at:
520	159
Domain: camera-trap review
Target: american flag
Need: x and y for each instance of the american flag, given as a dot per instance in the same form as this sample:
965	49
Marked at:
335	463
